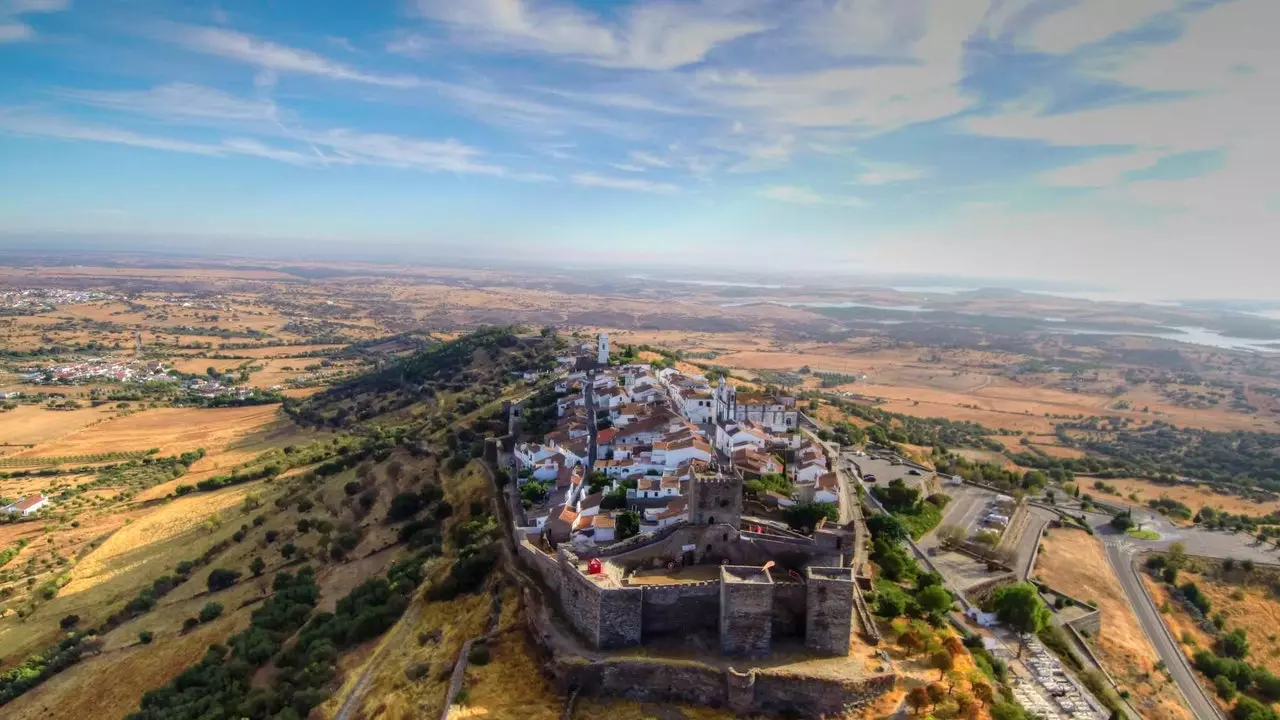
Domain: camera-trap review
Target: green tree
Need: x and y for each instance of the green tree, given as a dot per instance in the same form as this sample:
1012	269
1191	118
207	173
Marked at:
934	600
627	525
1020	607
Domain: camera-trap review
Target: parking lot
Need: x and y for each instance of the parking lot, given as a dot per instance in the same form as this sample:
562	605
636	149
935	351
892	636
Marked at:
885	471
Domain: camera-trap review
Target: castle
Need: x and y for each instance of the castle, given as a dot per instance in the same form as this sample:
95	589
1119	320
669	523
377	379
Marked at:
750	587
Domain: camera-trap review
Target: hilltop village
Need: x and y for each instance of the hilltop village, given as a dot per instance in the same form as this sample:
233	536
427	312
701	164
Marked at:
629	441
652	509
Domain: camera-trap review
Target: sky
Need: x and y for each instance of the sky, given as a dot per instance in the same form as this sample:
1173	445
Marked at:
1128	143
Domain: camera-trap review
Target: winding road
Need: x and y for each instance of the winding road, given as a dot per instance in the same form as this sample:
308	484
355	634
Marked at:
1121	551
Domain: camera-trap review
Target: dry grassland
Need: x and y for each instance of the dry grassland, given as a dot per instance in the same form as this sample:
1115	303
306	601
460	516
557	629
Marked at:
33	425
111	685
1076	564
172	430
1193	496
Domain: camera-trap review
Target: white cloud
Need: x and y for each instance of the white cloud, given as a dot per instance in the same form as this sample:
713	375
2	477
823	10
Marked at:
179	100
798	195
1102	171
1225	71
270	56
878	173
1091	21
627	167
652	36
617	183
919	83
639	157
12	29
342	146
15	31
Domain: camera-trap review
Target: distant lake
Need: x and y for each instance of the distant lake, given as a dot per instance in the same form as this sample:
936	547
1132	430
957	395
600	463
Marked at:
1191	335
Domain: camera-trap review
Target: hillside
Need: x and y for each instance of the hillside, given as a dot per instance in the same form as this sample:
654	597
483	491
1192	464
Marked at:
254	586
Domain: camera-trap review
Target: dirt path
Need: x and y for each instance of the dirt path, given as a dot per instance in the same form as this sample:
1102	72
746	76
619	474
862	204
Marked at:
355	697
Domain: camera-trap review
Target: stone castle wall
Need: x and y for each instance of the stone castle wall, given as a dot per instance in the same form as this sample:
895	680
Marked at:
751	692
746	618
680	609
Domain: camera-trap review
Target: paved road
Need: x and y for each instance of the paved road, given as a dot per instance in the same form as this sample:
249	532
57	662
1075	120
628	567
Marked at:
1120	555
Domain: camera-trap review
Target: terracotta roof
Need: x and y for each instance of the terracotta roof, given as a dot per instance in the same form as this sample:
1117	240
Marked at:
829	482
27	503
603	521
606	436
567	515
590	501
674	508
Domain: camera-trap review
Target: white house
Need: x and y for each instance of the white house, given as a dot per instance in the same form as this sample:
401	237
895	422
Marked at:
29	505
672	454
732	436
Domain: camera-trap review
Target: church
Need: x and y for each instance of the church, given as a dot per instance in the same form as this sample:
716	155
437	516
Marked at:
776	413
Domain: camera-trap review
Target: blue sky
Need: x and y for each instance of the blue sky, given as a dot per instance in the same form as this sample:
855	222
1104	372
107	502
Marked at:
1126	143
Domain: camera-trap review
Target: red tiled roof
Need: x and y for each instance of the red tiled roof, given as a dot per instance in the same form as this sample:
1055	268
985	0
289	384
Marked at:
27	503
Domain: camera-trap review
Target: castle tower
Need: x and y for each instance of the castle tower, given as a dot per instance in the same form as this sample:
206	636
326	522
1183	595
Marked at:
829	605
716	500
603	356
726	402
746	611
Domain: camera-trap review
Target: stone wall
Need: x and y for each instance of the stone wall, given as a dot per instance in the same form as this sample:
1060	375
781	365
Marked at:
829	621
621	610
749	692
680	609
579	600
746	616
788	609
714	501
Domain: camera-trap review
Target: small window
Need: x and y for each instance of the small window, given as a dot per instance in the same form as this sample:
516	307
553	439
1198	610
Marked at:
725	537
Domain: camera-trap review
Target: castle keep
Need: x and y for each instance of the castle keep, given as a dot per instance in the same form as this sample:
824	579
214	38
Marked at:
749	587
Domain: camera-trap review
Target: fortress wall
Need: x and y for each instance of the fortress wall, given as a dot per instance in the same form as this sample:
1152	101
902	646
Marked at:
776	693
681	609
788	609
579	599
541	563
620	611
751	692
746	618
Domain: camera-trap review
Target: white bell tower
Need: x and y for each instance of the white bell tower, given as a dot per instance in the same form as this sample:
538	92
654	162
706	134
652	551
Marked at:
603	357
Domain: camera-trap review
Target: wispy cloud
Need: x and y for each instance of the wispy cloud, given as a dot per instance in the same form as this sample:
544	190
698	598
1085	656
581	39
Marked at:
267	55
797	195
178	100
341	146
1101	171
13	28
617	183
878	173
651	36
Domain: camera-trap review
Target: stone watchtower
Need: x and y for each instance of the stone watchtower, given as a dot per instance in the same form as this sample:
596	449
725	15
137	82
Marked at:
716	500
829	608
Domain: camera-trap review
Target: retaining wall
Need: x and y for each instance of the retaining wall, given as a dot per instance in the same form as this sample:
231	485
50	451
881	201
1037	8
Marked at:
750	692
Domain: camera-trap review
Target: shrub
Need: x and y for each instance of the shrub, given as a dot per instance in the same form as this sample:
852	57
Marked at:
210	611
1224	687
479	654
351	488
288	549
271	536
189	624
69	622
145	637
221	579
257	566
404	506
